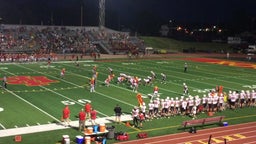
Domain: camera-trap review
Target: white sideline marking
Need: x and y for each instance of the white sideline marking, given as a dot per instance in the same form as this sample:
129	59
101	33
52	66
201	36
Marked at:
2	126
56	126
33	105
56	89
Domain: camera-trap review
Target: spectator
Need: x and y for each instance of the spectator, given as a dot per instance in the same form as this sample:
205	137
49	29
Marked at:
87	108
82	118
66	115
93	116
118	112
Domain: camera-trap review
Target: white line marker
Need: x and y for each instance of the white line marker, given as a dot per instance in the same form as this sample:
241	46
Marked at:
2	126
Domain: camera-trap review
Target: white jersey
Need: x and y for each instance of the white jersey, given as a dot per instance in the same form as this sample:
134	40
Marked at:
253	95
198	101
172	103
177	103
233	98
210	100
150	106
221	99
194	110
191	103
242	95
215	100
156	104
166	104
204	100
143	108
184	104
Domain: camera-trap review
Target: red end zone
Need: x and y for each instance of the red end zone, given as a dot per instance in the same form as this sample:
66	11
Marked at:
223	62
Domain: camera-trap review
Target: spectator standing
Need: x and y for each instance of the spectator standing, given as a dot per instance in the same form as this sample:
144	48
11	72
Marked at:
93	116
82	118
87	109
66	115
118	112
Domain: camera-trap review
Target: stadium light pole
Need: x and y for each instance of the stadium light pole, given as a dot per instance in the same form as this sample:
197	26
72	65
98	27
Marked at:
170	27
101	14
81	12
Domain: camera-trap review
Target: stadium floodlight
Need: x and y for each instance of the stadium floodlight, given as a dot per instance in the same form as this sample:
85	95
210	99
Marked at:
101	13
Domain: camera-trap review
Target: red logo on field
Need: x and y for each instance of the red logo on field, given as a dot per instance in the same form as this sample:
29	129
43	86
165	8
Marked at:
30	80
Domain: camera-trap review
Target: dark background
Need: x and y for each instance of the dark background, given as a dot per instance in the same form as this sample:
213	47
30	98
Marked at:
143	16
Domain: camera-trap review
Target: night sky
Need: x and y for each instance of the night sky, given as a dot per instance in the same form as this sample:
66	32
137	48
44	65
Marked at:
133	14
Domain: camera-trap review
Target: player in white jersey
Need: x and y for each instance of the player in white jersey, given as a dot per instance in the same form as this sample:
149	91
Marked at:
233	99
147	81
153	75
166	107
242	96
194	111
184	104
185	89
197	102
248	98
215	100
204	102
253	94
221	103
151	109
143	108
156	107
163	78
209	102
177	106
162	107
190	104
172	104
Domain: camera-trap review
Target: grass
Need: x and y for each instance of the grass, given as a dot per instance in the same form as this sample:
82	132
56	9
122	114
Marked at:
172	45
30	105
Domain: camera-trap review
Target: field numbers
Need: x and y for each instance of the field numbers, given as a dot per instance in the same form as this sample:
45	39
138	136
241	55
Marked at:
202	90
1	109
67	102
250	86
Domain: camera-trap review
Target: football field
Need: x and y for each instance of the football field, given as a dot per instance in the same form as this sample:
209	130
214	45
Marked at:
36	93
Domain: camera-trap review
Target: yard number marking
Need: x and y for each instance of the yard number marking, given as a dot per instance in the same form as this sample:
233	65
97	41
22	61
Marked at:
67	102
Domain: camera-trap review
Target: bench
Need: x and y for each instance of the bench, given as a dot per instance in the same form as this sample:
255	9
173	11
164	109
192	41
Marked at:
202	121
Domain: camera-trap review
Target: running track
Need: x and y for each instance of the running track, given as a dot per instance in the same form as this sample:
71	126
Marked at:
235	134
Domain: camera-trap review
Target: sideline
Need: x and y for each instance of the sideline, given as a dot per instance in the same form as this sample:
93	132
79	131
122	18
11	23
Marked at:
57	126
175	126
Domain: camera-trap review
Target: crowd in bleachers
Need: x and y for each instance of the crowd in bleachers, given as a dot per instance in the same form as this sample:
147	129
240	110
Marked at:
40	40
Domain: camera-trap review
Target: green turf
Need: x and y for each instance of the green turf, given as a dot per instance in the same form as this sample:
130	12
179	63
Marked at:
42	104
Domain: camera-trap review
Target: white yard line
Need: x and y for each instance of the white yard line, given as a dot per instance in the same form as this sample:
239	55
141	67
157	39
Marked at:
57	92
56	126
33	105
2	126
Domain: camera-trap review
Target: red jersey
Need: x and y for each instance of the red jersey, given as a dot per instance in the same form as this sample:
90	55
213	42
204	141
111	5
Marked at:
82	116
87	107
93	114
141	116
66	112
